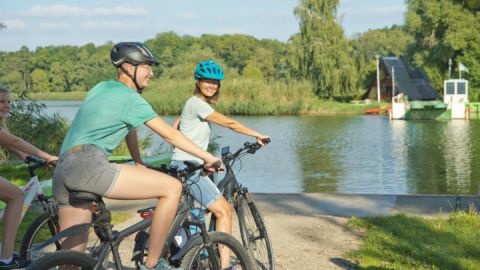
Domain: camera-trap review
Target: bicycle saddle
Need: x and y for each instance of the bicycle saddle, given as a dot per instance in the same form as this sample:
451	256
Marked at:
82	198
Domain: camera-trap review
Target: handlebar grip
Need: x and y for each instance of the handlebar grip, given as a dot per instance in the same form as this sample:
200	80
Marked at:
217	165
31	159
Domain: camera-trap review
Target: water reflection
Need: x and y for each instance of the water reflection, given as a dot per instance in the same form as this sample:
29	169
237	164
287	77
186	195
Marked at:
457	156
352	154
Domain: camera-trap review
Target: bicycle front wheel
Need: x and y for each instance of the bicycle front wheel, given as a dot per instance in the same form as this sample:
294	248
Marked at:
42	228
254	233
65	259
198	257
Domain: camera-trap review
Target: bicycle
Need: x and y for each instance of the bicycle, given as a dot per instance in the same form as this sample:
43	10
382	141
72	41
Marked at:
253	229
200	252
45	225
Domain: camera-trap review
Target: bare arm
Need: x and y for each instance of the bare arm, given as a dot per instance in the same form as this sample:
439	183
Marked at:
234	125
18	153
12	141
176	124
132	144
176	138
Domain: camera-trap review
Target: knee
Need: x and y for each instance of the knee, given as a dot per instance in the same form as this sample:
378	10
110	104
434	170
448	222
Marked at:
14	197
225	211
176	189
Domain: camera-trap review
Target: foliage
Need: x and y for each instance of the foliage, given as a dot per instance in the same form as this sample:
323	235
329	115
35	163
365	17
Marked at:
122	149
238	96
443	29
322	52
402	242
29	121
18	174
392	41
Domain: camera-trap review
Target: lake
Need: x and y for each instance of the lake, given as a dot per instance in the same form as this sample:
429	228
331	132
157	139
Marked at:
348	154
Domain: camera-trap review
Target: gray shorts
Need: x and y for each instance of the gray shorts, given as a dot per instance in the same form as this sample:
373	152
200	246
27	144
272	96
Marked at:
83	168
202	188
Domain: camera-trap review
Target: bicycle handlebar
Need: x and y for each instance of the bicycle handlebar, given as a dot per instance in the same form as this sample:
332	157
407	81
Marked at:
34	163
191	167
249	147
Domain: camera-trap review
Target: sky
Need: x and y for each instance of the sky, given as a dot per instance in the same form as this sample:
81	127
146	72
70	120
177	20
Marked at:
36	23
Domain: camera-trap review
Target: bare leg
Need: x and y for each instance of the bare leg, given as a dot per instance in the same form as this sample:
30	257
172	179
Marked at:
223	212
69	216
13	197
140	183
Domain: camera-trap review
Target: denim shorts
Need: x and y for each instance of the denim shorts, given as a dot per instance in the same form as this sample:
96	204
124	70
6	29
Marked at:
83	168
202	188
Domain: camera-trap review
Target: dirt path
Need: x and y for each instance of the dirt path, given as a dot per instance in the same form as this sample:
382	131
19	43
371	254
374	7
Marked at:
300	242
310	242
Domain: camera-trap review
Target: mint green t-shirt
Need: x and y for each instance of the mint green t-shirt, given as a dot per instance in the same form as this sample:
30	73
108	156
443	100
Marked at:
107	114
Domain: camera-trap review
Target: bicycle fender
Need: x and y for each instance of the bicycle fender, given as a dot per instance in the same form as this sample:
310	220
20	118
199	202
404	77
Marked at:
74	230
192	241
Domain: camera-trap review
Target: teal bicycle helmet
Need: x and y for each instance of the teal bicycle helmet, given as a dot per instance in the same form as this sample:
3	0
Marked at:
208	70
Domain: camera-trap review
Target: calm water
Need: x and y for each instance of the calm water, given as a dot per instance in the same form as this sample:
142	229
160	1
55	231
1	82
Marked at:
351	154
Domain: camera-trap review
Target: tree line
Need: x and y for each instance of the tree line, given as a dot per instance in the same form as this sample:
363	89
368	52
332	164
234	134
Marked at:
336	66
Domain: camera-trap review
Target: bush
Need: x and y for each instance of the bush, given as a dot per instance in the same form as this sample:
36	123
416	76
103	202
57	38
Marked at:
29	121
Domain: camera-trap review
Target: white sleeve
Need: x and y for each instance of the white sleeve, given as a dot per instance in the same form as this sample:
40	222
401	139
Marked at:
202	108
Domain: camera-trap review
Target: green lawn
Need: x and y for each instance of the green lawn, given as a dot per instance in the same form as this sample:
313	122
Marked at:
402	242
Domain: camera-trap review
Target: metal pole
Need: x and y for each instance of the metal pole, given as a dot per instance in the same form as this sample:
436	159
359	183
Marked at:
449	68
393	81
459	71
378	77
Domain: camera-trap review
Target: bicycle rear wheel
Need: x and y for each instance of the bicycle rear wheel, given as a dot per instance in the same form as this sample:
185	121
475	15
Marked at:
198	258
42	228
65	259
254	233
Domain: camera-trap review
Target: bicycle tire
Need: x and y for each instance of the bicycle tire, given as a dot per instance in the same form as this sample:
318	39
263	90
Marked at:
197	259
63	258
43	224
254	233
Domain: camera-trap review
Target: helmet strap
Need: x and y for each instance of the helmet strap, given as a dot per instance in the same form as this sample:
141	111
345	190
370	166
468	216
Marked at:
134	78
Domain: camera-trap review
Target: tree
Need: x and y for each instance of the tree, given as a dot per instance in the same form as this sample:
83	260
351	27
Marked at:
443	29
393	41
40	81
321	50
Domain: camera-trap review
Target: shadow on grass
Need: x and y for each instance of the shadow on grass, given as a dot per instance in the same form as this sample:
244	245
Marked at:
344	263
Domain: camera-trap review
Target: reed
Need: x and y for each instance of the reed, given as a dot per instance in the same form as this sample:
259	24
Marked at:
239	96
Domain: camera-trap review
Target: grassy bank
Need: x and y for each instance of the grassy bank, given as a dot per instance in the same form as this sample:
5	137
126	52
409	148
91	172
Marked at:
402	242
239	96
18	174
57	95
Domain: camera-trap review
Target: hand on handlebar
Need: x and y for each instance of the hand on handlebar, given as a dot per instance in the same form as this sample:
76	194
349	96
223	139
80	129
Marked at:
51	161
214	165
263	140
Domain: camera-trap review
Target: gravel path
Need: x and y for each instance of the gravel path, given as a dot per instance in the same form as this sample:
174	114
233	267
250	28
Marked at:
300	242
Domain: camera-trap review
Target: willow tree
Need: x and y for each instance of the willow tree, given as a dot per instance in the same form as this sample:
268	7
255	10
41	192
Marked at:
322	53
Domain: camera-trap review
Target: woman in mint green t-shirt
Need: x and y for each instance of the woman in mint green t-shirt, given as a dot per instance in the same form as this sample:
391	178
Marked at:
110	113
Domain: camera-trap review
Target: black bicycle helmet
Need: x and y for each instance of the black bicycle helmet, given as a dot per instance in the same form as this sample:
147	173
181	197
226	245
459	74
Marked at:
135	53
